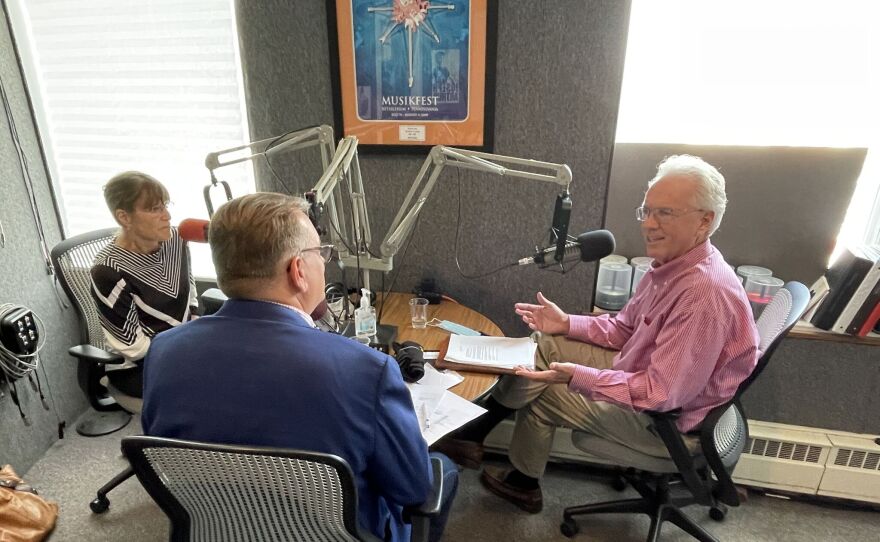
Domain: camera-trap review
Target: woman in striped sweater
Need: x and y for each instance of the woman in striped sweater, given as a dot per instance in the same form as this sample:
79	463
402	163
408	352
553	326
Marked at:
141	282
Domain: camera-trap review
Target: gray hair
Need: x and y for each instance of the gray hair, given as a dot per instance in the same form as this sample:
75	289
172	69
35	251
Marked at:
251	236
711	195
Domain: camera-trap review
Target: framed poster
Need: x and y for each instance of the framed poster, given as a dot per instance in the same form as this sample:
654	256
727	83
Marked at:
412	74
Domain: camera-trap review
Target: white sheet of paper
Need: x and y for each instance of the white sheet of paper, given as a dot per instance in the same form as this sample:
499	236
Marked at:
451	413
503	352
433	377
425	400
440	411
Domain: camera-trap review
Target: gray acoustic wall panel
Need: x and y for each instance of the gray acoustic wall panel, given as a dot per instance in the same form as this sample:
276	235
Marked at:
559	68
822	384
24	281
785	204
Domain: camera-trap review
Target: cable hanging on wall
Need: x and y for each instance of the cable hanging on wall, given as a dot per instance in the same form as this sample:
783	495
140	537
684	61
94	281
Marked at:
32	198
26	175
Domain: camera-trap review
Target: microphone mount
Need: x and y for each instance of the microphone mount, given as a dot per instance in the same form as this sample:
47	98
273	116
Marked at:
340	188
571	246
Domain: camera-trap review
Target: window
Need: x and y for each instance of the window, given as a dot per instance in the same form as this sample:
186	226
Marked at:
131	85
792	73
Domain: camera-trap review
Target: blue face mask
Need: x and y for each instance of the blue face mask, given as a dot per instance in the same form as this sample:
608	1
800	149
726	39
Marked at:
452	327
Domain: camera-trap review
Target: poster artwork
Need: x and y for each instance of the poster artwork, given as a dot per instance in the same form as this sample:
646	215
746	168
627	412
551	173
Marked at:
411	60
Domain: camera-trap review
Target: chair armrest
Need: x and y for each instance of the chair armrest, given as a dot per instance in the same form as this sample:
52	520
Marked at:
88	352
664	423
431	506
419	516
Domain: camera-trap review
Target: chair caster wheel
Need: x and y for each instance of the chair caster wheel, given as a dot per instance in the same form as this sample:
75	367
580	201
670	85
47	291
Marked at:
718	512
99	505
619	483
569	528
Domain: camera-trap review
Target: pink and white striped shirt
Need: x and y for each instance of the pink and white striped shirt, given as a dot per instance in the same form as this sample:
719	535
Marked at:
686	340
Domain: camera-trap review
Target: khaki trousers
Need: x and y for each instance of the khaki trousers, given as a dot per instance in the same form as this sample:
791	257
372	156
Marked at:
542	407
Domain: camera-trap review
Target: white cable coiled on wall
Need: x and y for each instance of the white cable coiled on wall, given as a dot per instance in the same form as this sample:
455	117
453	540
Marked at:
15	365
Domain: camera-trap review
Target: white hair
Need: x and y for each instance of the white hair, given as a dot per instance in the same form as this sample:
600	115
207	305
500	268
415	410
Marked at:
710	183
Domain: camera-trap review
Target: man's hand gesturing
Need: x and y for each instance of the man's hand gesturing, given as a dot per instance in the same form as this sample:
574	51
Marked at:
545	317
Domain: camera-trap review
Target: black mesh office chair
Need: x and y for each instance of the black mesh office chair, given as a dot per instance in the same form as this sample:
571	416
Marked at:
706	475
73	260
218	493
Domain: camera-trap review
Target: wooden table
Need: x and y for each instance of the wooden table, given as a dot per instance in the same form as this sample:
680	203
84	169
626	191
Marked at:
396	313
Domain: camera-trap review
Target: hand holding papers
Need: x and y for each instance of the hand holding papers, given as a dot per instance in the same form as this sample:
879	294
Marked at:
559	373
501	355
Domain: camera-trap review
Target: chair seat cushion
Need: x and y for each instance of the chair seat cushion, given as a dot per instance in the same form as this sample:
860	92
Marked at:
620	455
132	405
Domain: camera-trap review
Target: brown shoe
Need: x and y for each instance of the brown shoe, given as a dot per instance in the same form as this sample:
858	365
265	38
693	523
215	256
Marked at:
466	453
530	500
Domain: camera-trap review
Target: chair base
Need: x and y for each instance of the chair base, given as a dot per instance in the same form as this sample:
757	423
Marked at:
101	503
656	503
95	424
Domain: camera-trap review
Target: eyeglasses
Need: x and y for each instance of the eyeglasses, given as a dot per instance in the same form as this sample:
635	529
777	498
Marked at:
663	215
325	251
159	208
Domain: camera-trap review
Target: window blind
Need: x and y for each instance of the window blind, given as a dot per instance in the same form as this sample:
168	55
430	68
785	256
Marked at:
132	84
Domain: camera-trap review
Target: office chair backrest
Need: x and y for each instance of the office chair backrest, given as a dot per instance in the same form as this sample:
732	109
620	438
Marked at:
780	315
73	259
725	442
216	493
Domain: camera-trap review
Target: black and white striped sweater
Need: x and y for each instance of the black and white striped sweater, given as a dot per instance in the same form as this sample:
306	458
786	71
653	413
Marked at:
139	295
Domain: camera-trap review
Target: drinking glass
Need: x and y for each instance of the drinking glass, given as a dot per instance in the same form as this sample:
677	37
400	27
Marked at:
418	312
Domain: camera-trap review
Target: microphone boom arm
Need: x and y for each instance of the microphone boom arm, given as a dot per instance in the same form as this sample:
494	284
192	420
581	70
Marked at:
297	139
321	136
442	156
342	176
352	242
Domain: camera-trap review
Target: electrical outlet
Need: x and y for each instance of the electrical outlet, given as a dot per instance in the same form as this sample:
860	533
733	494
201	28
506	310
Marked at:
18	331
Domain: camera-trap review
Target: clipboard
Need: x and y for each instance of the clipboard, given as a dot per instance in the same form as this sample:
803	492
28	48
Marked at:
442	363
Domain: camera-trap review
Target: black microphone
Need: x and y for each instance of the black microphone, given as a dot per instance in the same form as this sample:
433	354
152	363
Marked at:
589	247
559	228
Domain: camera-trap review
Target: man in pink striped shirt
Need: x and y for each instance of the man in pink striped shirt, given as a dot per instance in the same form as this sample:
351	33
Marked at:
684	341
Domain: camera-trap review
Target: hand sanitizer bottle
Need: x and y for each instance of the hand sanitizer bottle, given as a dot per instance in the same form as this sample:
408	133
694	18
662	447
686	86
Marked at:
365	316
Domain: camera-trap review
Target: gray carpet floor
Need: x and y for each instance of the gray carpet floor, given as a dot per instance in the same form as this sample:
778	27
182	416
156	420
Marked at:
76	466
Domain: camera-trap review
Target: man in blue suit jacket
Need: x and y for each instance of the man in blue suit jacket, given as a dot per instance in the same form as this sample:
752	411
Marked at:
258	372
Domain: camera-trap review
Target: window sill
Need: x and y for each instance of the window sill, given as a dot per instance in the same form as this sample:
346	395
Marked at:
805	330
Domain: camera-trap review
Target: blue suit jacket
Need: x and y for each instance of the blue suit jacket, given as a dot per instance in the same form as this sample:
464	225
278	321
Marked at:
255	373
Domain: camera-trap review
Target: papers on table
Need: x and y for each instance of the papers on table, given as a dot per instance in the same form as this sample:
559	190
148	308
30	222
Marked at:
440	411
434	378
499	352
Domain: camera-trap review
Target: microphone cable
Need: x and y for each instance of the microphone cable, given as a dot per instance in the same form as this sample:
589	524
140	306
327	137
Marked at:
458	235
385	293
265	153
28	181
